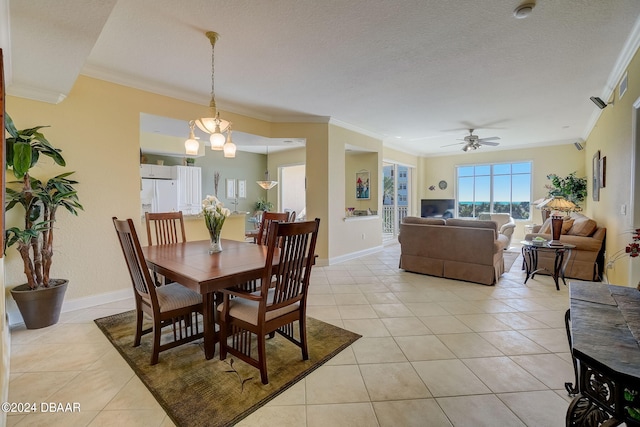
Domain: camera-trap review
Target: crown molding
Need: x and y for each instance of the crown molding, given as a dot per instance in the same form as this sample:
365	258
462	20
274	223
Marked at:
35	93
620	66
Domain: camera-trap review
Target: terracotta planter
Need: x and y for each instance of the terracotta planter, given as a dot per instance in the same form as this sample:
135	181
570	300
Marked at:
41	307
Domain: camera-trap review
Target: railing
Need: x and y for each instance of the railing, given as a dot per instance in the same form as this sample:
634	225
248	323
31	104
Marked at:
388	215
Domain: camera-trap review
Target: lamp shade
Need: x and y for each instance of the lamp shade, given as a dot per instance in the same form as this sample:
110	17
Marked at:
229	147
558	203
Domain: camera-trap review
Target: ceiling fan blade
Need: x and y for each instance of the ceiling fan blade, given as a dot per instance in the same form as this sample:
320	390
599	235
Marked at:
483	142
491	138
449	145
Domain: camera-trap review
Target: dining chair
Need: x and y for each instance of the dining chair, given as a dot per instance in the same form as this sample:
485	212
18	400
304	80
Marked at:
165	227
292	216
267	219
274	308
172	304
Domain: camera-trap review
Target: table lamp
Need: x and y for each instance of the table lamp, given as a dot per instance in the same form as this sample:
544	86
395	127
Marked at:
556	205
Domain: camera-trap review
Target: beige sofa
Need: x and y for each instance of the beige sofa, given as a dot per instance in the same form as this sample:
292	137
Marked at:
586	260
459	249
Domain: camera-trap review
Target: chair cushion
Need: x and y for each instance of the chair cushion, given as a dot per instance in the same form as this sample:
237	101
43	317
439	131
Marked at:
247	310
174	296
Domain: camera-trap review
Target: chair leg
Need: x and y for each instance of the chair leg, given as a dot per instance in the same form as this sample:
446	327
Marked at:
155	350
303	337
223	338
262	356
139	317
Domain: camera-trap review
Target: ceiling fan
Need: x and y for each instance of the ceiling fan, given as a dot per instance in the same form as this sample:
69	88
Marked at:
473	142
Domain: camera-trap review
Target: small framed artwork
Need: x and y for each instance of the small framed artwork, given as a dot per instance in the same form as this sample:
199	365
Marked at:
242	188
363	191
603	172
595	166
231	188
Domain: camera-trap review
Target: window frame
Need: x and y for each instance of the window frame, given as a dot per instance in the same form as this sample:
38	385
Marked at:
491	181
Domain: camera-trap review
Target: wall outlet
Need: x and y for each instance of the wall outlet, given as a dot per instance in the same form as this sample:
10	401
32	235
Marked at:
364	236
623	209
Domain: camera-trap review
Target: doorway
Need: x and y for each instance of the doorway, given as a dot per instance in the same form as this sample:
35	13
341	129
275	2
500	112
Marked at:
396	198
292	189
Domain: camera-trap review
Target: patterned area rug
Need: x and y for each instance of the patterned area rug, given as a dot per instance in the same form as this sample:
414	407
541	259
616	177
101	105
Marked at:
199	392
509	258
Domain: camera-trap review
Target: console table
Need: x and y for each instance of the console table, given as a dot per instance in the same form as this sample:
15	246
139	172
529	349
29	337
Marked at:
604	333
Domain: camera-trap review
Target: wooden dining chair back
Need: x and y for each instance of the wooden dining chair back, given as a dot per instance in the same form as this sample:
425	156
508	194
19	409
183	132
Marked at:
267	219
165	227
273	308
172	304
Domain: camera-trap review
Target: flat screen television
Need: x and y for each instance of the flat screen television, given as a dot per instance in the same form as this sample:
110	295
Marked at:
437	208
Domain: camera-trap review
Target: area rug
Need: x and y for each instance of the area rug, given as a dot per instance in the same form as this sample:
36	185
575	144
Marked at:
509	259
198	392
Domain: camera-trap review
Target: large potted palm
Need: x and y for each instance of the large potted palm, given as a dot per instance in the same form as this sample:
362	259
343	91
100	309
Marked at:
40	299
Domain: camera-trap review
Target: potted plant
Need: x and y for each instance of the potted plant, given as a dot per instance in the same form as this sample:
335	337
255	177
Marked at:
40	299
570	187
263	206
190	161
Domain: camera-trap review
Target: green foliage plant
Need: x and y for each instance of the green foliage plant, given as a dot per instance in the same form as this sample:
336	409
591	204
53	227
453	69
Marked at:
40	200
570	187
263	205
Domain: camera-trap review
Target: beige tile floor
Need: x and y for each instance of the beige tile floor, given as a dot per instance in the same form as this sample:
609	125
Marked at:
434	352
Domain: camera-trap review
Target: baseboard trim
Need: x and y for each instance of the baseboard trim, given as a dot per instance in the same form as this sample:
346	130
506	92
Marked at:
354	255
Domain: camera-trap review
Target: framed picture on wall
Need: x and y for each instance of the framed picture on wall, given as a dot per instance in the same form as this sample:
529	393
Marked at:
595	166
363	190
242	188
603	172
231	188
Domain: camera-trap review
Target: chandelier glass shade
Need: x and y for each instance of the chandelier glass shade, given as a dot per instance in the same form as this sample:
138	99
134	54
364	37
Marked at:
191	145
229	147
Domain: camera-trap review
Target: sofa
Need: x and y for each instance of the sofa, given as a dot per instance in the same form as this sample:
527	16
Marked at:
587	259
506	224
460	249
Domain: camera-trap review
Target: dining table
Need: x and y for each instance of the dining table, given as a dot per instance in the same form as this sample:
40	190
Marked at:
191	265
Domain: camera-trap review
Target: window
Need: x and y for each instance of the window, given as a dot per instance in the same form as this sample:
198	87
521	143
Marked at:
495	188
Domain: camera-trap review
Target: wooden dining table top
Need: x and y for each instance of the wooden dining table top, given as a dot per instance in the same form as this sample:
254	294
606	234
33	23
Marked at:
191	265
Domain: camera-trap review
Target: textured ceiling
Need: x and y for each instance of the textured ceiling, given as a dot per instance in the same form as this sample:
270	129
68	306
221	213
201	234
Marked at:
416	73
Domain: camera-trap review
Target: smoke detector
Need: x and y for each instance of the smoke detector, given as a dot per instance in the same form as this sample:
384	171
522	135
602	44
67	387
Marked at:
524	10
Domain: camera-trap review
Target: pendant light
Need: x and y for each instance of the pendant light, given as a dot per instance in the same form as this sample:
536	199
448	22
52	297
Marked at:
214	125
267	184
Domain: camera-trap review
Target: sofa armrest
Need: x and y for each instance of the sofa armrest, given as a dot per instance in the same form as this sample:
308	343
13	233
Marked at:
508	228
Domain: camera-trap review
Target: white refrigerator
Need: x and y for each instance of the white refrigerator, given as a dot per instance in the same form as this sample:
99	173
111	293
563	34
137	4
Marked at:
159	195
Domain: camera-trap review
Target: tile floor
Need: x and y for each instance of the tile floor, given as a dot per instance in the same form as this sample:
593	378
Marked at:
434	352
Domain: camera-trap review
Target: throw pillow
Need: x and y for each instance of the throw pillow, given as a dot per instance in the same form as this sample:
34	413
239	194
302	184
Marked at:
582	226
567	223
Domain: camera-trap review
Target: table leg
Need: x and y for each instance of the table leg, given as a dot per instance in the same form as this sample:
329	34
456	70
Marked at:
564	266
526	258
557	266
209	320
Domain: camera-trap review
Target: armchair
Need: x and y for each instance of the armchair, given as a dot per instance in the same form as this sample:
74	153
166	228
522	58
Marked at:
506	224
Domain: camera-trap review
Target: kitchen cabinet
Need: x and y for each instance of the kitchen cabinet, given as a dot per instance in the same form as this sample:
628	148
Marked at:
157	171
189	189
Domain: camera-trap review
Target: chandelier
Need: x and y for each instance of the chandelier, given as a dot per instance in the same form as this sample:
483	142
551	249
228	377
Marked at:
267	184
214	125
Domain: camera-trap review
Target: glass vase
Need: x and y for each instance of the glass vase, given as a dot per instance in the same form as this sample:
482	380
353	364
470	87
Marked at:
216	243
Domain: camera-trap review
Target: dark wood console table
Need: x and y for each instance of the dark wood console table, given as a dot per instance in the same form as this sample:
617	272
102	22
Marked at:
604	336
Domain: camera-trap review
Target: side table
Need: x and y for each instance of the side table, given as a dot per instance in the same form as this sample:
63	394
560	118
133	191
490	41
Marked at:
530	256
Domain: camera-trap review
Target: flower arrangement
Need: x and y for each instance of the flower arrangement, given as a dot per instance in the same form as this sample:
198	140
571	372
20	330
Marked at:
214	215
632	249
